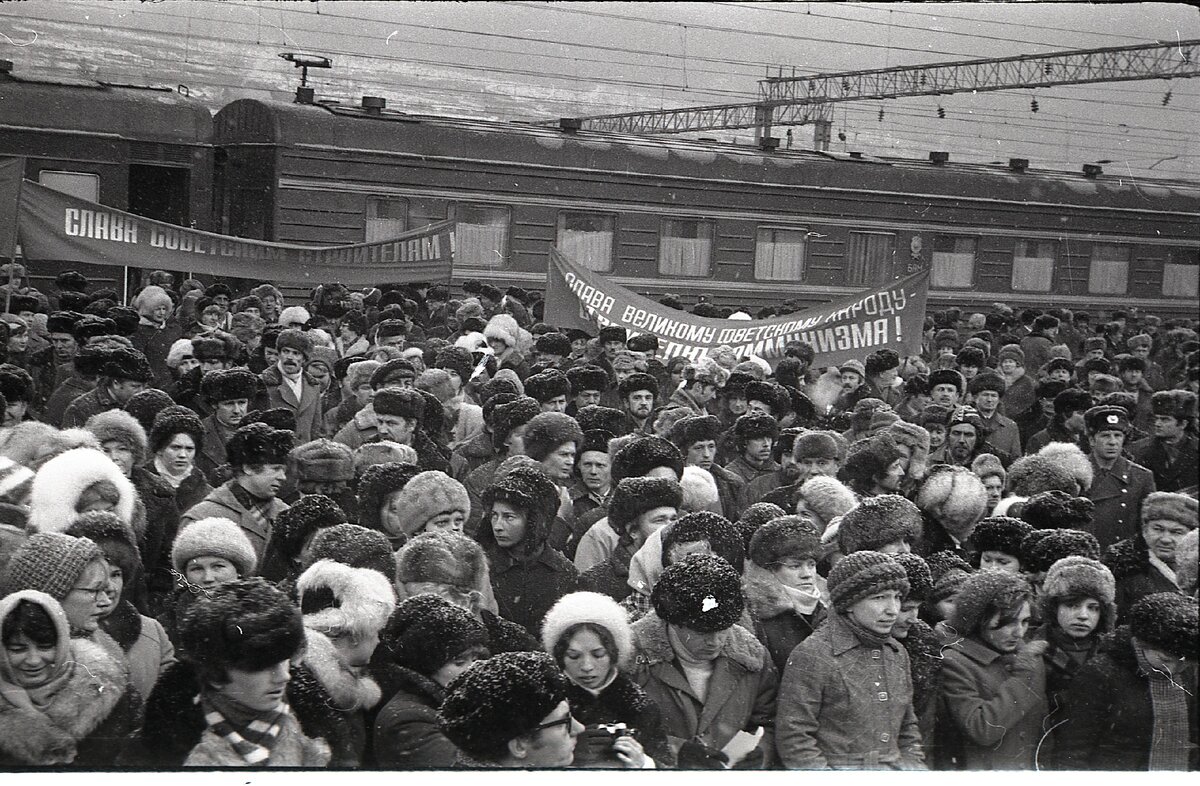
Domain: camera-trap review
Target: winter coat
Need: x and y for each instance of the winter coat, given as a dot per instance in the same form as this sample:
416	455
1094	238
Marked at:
847	705
162	524
471	455
1129	561
610	577
359	430
93	402
331	701
1169	475
307	408
507	636
741	691
291	749
731	490
406	733
337	416
63	396
476	483
924	648
784	626
526	588
194	488
148	650
621	701
222	503
747	473
91	711
1109	714
155	342
212	457
1117	494
994	717
1036	347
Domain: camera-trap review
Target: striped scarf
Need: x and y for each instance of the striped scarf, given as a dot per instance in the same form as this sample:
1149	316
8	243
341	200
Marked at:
256	508
1169	745
254	741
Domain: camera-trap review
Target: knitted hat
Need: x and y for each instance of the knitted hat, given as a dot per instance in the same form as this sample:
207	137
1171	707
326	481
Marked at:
594	416
878	521
547	431
50	562
62	480
955	497
499	699
920	579
702	593
948	376
1041	548
643	454
827	497
228	385
1000	533
587	378
258	443
986	587
752	518
336	598
1075	577
635	496
1178	404
246	624
294	526
1071	458
213	537
861	575
1058	509
174	420
1169	506
115	539
948	571
785	537
355	546
695	428
1167	621
636	382
755	425
117	425
426	632
400	402
547	385
590	608
323	460
428	495
827	445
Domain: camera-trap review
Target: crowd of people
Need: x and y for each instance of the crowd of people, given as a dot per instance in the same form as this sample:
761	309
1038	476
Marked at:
403	529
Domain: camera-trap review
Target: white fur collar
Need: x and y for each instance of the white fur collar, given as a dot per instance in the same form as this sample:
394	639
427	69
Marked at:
349	691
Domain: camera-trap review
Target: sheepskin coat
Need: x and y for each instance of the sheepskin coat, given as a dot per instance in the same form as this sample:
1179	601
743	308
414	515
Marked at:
406	734
91	711
741	691
332	700
1129	561
783	625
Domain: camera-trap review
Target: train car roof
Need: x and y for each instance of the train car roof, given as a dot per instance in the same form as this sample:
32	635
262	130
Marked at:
430	136
134	112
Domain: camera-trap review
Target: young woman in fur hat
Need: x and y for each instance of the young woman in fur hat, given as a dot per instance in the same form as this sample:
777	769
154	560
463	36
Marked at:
781	584
176	437
589	637
1146	563
63	700
205	555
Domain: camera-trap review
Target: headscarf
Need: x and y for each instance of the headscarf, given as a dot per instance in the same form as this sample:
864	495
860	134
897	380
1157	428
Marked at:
39	698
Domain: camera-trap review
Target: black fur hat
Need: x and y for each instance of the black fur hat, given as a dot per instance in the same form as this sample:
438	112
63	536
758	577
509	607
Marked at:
258	443
547	385
553	343
634	496
703	593
456	359
970	356
613	333
987	380
587	378
15	383
880	361
127	364
920	579
353	545
378	481
400	402
1057	510
1072	400
310	513
174	420
1178	404
635	382
71	281
227	385
785	537
695	428
643	342
508	417
736	384
868	459
246	624
771	394
62	322
755	425
90	326
1041	548
644	454
426	632
73	301
145	406
754	517
529	489
948	376
596	440
1000	533
546	431
594	416
878	521
278	418
392	369
1167	621
722	536
126	319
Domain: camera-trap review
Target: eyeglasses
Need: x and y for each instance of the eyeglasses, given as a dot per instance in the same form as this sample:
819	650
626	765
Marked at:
567	721
95	592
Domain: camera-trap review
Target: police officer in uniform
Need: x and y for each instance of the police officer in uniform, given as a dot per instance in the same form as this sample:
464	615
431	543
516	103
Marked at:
1118	485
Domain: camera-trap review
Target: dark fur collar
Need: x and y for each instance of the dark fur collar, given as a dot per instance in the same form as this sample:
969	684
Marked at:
623	700
393	679
124	625
174	721
1128	557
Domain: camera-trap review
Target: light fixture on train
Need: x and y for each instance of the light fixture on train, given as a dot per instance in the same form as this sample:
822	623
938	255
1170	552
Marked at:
304	93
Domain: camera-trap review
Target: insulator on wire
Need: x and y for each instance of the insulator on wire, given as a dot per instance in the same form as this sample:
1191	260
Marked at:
1167	98
880	115
841	136
941	113
1033	105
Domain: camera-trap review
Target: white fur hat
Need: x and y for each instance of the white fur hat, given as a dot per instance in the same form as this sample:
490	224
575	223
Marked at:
955	497
182	348
473	342
151	298
1071	458
214	537
828	498
293	314
594	608
503	327
60	482
355	600
699	491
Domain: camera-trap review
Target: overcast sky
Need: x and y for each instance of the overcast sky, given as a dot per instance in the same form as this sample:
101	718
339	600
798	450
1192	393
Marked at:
525	60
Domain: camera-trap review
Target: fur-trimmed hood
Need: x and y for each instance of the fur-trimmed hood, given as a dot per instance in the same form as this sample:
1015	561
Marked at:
349	691
60	482
654	647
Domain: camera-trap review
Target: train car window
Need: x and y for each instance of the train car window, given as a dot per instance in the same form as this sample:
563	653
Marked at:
685	247
952	265
1181	274
779	254
386	218
83	185
481	235
1108	273
870	259
1033	265
587	239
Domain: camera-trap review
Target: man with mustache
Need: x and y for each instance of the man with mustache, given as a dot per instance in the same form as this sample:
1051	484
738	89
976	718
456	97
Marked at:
287	387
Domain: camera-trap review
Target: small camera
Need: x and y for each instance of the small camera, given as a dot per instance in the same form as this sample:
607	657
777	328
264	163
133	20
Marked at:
598	738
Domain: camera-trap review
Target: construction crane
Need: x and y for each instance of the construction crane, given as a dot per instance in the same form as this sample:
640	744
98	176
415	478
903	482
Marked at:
797	100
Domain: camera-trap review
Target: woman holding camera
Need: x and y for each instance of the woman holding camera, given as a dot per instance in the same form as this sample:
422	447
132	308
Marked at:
589	637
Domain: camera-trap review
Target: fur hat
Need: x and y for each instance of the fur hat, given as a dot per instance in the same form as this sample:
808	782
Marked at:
553	343
278	418
296	339
503	328
1041	548
61	481
15	384
1069	456
547	431
507	418
643	342
49	562
1167	621
785	537
145	406
294	315
258	443
916	439
71	281
117	425
589	608
227	385
920	579
862	574
587	378
62	322
443	557
981	589
755	425
636	382
355	546
1000	533
213	537
219	346
594	416
1058	509
323	461
246	624
1011	352
174	420
724	539
389	328
643	454
754	516
115	539
854	366
456	359
392	371
695	428
948	376
150	298
128	364
880	361
1030	475
948	571
878	521
1169	506
294	526
867	460
637	495
705	370
827	498
700	490
428	495
1178	404
400	402
530	490
702	593
987	381
613	333
954	497
426	632
499	699
547	385
986	465
336	598
1075	577
820	444
374	486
